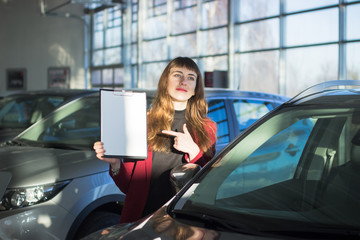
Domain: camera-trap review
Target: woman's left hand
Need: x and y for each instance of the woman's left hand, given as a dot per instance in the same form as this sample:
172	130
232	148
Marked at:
183	142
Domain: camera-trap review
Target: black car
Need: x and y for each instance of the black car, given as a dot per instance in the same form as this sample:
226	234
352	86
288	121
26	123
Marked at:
20	110
294	174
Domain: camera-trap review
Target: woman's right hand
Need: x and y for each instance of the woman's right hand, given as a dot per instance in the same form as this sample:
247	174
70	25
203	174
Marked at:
99	150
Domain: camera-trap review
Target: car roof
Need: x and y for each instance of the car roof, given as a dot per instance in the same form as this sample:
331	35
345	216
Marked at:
328	92
46	92
239	93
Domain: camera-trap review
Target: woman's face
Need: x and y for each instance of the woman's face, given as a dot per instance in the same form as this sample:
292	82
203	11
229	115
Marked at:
181	86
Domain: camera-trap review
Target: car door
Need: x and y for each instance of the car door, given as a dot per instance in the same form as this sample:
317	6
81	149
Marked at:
219	112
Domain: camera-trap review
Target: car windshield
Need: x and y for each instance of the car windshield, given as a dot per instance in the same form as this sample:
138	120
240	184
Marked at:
22	111
299	168
76	124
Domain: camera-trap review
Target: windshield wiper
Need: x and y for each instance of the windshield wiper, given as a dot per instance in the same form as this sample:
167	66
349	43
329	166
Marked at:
15	143
216	223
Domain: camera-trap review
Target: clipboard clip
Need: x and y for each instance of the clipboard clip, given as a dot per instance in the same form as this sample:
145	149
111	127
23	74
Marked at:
123	93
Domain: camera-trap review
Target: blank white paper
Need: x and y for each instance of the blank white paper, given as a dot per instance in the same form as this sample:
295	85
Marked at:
123	123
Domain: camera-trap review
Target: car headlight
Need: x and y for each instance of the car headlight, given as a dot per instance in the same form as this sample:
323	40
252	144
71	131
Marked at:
22	197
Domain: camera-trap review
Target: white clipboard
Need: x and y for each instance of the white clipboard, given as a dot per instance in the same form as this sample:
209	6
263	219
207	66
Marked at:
123	123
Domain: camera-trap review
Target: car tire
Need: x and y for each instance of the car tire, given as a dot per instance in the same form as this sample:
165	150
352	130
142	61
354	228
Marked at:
96	221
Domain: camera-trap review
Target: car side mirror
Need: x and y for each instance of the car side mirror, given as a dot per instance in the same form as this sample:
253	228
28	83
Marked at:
181	174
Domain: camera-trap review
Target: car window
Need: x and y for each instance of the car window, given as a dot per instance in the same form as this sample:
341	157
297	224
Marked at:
75	124
217	113
300	165
275	161
23	111
248	111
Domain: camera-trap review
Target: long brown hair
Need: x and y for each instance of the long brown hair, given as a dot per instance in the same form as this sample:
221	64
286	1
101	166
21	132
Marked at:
161	112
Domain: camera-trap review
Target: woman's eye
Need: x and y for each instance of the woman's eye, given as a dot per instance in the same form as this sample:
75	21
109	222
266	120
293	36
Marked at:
191	78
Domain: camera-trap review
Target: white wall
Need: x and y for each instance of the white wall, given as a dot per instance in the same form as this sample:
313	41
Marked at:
35	42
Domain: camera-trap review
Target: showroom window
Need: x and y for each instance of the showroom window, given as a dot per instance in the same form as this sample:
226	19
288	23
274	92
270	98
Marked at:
106	67
288	46
274	46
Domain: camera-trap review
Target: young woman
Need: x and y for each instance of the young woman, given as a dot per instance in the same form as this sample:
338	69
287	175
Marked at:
179	131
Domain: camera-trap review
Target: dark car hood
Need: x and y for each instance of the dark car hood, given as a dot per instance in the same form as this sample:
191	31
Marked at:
31	166
9	133
161	226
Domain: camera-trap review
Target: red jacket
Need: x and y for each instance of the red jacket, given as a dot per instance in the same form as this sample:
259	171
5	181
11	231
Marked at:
137	187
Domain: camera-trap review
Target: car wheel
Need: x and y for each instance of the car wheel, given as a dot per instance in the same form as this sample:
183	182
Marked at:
96	221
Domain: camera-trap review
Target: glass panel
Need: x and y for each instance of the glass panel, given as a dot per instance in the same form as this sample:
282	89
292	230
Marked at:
308	66
352	21
134	53
151	73
134	75
217	113
184	3
214	41
210	64
22	111
248	111
107	76
298	5
134	12
250	9
214	13
184	20
119	76
113	37
158	2
184	45
155	27
113	56
257	35
99	21
98	58
77	124
353	61
96	77
98	40
305	28
259	71
160	9
134	32
154	50
113	17
272	161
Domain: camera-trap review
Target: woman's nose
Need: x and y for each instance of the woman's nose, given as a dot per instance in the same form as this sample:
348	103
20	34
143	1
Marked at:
183	80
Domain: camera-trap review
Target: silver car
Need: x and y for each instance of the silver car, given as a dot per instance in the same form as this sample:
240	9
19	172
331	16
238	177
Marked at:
53	186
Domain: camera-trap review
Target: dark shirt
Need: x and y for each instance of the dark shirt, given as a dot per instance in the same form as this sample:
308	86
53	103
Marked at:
160	187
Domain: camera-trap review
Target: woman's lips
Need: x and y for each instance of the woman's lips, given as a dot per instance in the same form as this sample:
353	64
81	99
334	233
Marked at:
181	89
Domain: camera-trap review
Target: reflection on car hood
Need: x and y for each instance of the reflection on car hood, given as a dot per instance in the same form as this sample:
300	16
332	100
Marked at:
7	134
31	166
161	226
